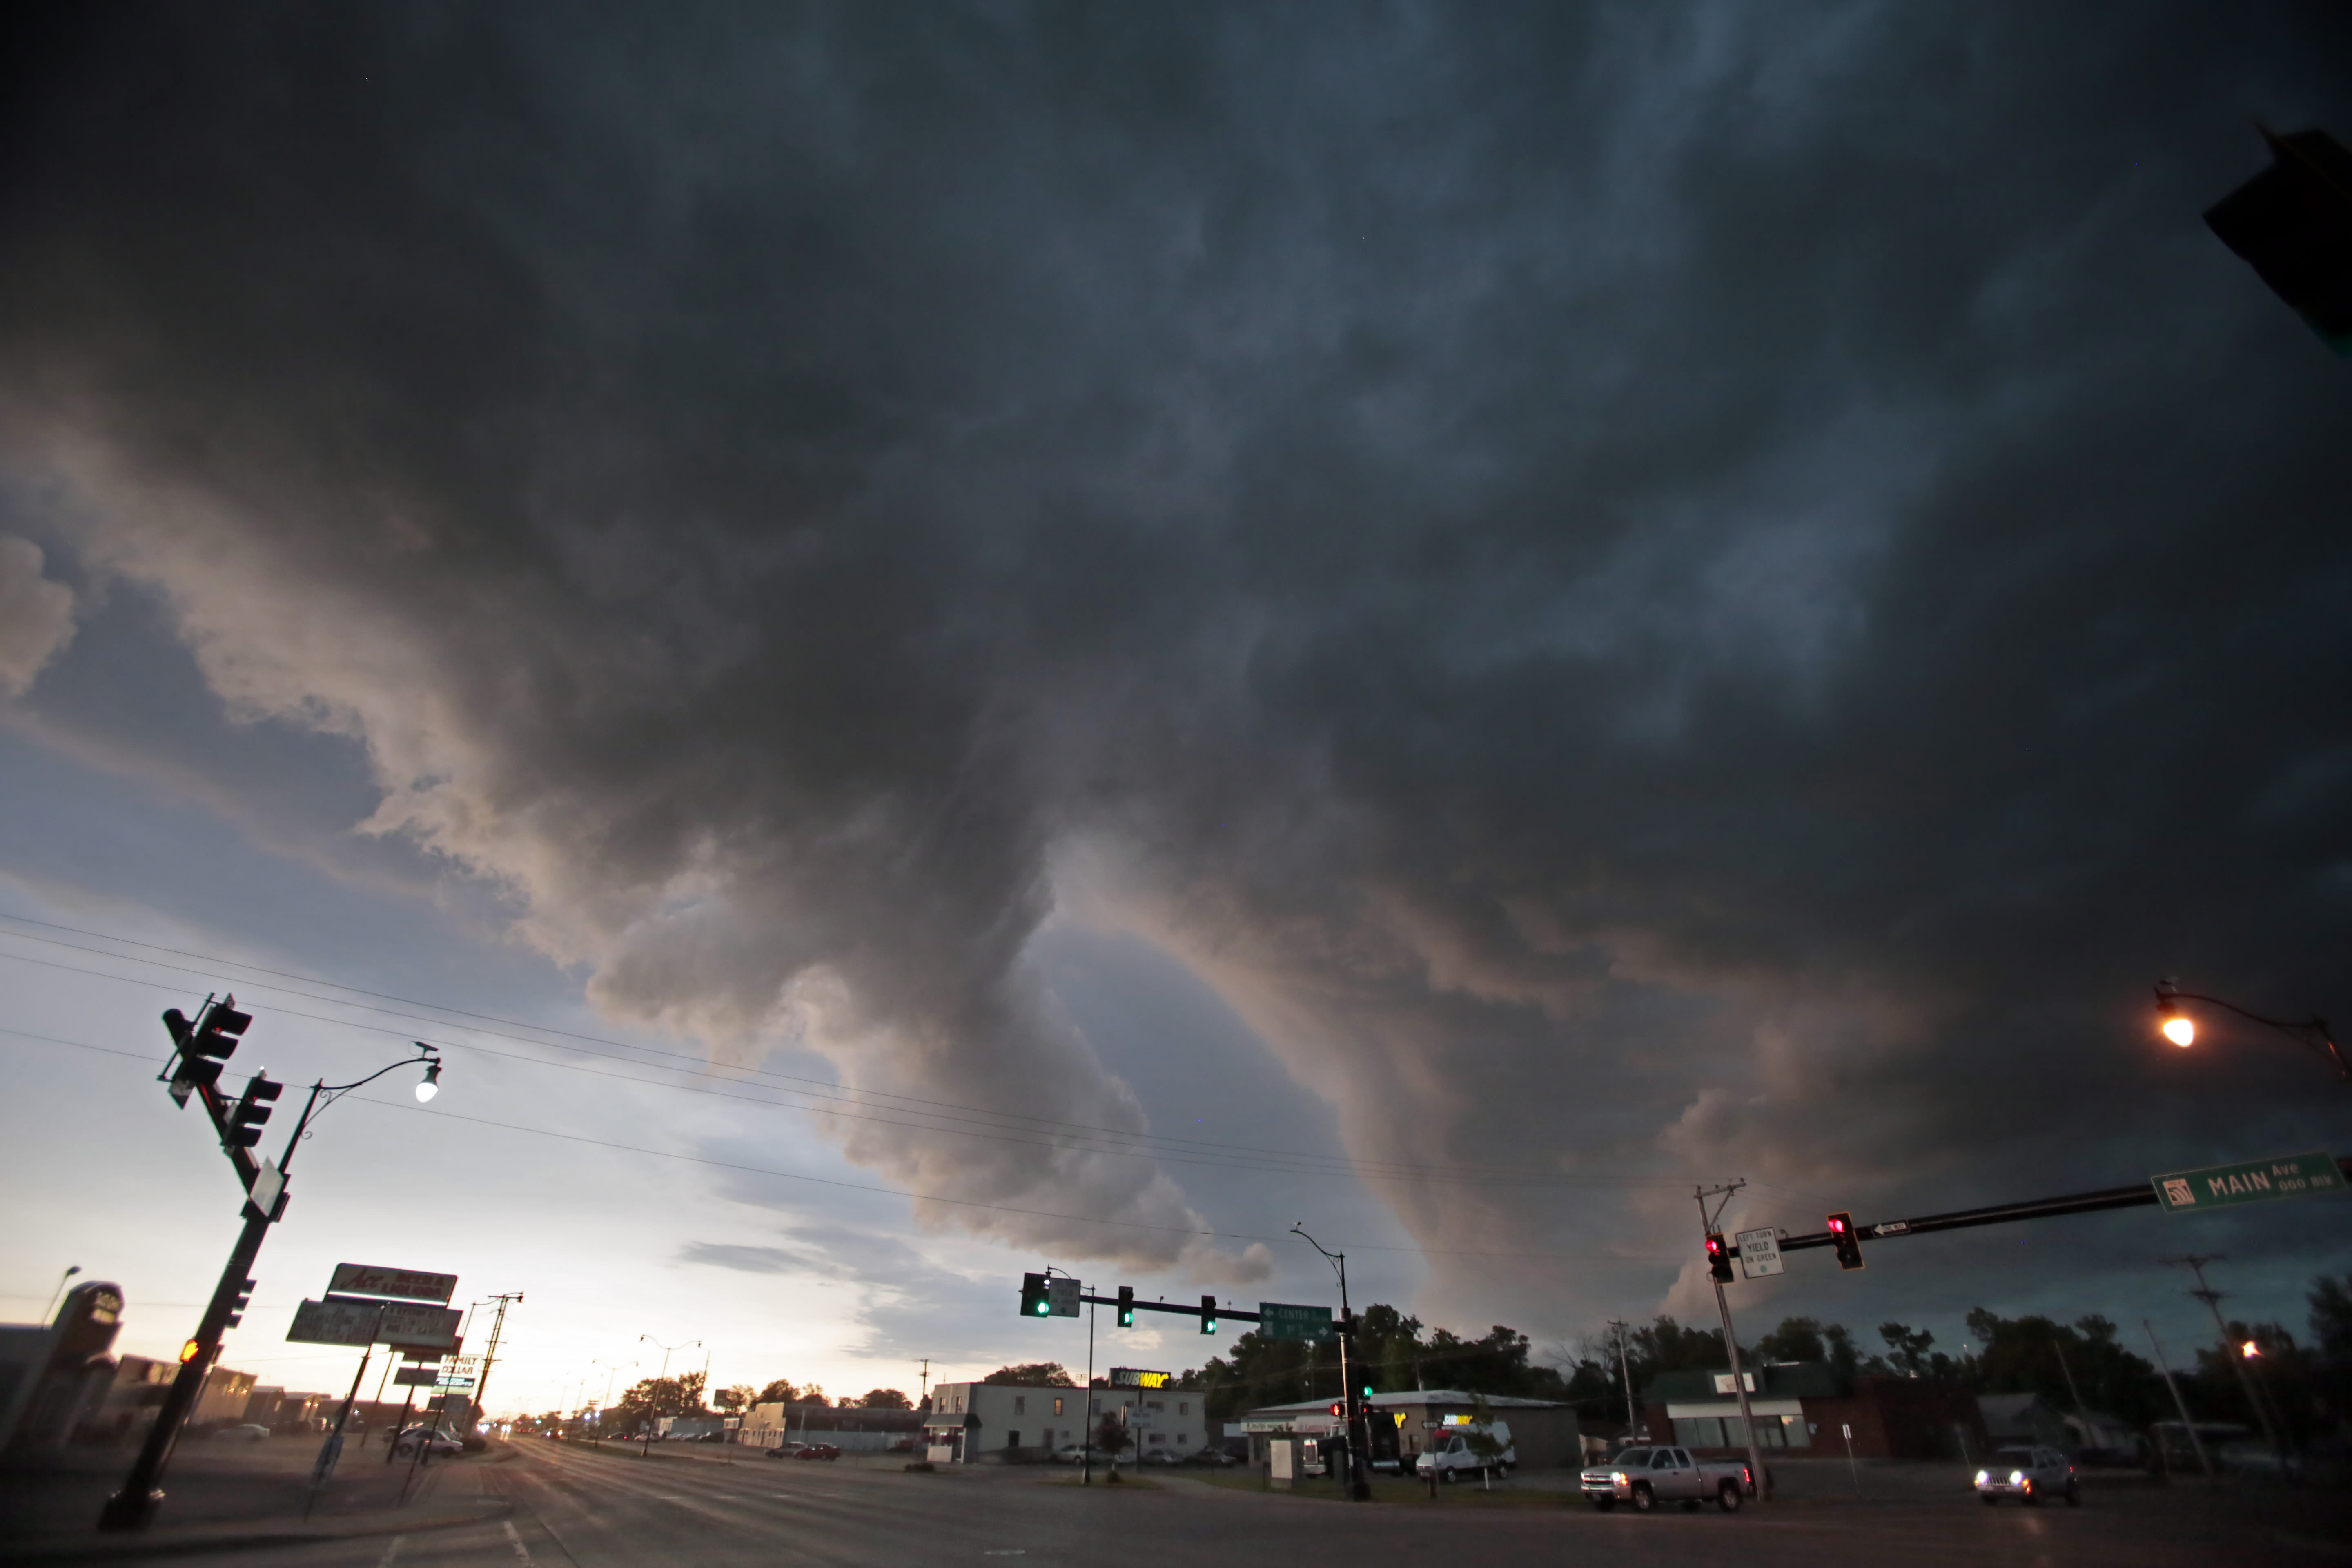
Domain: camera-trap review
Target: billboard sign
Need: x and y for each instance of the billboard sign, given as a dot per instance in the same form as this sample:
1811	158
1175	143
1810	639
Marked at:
344	1321
1136	1377
401	1284
417	1376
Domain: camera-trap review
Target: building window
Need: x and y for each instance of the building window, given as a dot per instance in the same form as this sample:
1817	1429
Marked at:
1184	1409
1058	1407
1013	1439
1020	1405
1182	1438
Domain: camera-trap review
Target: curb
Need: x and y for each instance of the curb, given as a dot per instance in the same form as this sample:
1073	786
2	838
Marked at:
82	1548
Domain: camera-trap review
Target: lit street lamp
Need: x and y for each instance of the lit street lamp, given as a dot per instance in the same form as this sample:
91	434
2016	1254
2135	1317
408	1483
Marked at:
2178	1028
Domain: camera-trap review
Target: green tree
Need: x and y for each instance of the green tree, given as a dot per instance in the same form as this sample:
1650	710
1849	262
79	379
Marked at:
1797	1339
1906	1347
741	1397
778	1392
885	1399
1032	1375
2022	1356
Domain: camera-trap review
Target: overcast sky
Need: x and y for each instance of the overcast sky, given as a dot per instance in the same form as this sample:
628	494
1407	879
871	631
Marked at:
936	641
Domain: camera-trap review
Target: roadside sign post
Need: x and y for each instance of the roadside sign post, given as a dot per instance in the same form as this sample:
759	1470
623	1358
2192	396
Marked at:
1847	1429
1759	1252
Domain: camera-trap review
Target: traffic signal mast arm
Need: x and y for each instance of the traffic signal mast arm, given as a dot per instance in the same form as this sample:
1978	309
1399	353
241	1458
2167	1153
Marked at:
2138	1196
1176	1307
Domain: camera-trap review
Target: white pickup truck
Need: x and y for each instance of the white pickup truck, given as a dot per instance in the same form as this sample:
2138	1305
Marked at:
1452	1455
1645	1478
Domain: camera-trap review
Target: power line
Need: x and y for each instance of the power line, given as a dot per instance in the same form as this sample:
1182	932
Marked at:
864	1187
1142	1144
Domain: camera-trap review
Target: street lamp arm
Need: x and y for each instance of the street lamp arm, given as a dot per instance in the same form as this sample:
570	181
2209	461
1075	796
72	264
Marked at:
2313	1032
323	1094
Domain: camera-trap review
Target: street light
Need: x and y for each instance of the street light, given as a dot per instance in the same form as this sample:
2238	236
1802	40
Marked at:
2178	1028
1358	1480
431	1084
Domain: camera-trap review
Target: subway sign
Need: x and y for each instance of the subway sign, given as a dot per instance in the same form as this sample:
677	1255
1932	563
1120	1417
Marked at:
1137	1379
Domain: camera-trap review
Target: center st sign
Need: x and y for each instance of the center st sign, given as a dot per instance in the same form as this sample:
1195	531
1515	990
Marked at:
1282	1320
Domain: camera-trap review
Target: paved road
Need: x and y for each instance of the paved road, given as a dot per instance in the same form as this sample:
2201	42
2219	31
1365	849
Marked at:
576	1507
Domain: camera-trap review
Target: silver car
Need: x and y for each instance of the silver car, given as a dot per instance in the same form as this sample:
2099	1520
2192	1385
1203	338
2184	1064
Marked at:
2029	1475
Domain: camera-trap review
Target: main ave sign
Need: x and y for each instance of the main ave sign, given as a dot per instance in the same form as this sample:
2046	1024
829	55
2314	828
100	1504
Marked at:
2248	1182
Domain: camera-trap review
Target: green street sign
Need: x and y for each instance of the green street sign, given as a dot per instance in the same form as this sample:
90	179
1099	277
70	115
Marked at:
1278	1320
2249	1181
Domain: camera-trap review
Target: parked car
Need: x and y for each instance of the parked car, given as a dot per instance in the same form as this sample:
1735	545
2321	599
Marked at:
2029	1474
1451	1455
435	1442
1079	1453
786	1451
817	1451
251	1432
1645	1478
1161	1456
1215	1458
2255	1458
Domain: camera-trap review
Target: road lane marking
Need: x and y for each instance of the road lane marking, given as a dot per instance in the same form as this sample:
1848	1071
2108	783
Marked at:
390	1553
522	1551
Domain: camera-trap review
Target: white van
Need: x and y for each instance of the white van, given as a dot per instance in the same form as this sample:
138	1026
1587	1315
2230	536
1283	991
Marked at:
1451	1456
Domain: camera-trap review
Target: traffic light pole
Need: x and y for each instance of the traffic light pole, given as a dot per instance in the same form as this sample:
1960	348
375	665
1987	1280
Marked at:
1731	1339
133	1508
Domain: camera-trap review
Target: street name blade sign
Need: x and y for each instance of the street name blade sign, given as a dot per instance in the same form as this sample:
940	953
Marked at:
2248	1182
1759	1252
1281	1320
402	1284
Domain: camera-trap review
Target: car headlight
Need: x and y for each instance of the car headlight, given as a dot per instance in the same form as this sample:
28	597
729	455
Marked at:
2017	1478
1983	1476
1616	1477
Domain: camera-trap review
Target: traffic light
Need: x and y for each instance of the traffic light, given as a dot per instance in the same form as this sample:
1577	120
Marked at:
1367	1390
1339	1407
1718	1258
1848	1242
190	1351
1208	1314
1127	1306
1034	1302
210	1041
252	1108
2292	223
237	1308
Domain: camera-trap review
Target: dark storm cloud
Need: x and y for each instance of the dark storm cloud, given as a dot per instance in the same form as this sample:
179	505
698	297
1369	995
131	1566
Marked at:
1669	595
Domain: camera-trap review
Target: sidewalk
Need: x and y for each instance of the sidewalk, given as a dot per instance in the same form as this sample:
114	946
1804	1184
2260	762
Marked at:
219	1497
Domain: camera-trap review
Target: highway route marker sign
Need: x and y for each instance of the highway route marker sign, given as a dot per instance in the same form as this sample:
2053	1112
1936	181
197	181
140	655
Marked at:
2247	1182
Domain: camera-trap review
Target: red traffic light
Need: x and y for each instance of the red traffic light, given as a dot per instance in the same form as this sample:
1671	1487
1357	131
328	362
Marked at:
1718	1259
1846	1240
1339	1407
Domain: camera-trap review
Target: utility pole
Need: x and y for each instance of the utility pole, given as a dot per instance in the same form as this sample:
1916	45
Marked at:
2059	1345
490	1357
1624	1375
2195	1264
2195	1445
1731	1338
924	1402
